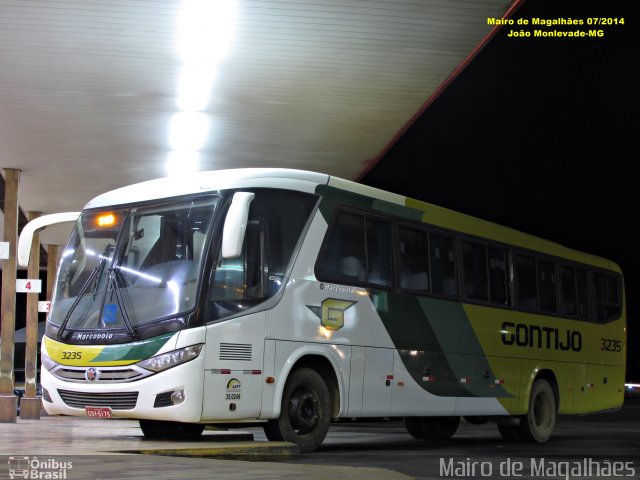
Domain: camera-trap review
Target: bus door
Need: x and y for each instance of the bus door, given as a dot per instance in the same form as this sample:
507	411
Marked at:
235	347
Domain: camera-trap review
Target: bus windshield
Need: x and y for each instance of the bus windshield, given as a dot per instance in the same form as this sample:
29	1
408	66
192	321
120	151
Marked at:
125	268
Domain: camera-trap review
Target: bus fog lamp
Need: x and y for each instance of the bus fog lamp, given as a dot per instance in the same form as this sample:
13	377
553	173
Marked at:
171	359
177	397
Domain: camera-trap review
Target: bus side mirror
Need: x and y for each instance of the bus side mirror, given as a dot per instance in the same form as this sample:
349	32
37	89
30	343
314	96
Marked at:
235	225
29	230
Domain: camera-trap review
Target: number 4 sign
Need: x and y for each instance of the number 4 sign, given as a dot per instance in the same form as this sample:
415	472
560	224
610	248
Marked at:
28	286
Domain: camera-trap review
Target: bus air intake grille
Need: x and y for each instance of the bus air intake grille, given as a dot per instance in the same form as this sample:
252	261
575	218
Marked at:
235	351
117	401
163	400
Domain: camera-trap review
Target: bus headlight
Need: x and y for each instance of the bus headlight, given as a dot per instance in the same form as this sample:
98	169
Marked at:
171	359
47	363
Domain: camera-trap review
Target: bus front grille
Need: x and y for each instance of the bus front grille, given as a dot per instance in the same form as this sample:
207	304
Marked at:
101	374
117	401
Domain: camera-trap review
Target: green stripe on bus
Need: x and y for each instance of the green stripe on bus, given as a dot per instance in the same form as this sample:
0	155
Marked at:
438	346
133	351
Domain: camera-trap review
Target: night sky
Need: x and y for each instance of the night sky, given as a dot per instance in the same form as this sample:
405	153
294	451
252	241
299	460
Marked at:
540	134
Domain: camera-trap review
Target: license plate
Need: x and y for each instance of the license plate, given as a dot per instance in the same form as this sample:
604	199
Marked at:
98	412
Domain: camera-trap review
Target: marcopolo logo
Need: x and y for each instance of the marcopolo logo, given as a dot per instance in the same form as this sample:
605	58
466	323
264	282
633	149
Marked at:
35	468
93	336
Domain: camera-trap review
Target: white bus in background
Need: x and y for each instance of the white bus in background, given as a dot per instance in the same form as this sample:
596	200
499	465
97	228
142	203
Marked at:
293	298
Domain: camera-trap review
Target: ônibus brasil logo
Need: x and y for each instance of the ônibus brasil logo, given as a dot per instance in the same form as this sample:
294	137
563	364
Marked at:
35	468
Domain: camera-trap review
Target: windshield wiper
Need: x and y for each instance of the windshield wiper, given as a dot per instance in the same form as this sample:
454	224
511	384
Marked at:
113	281
92	276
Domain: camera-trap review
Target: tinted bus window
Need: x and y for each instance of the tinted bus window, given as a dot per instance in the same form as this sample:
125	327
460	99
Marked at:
358	250
498	285
568	290
582	294
547	286
414	259
527	291
474	266
378	240
344	252
607	296
443	267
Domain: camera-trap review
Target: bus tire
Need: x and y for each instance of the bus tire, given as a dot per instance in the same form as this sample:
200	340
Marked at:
537	425
440	428
414	427
155	429
305	413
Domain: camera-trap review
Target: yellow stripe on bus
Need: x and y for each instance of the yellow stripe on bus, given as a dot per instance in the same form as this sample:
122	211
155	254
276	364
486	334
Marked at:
79	355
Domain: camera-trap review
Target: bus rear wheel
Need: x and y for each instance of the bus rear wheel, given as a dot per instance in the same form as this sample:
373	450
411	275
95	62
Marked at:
441	428
155	429
537	425
305	412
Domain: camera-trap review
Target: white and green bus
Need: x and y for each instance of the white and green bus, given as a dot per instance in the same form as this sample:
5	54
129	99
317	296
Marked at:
293	298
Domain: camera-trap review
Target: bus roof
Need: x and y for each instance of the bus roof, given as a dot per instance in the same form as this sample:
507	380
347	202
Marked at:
306	181
210	181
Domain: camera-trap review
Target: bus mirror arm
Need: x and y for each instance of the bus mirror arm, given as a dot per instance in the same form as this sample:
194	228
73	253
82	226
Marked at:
29	230
235	225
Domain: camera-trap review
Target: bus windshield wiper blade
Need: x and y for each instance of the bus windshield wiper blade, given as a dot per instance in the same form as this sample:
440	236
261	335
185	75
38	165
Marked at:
113	273
91	278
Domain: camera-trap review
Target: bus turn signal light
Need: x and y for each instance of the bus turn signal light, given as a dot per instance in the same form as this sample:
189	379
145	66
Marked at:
106	220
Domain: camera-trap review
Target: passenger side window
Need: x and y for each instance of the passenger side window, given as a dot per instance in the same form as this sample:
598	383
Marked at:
547	286
607	293
414	259
526	288
498	279
358	250
378	252
568	290
474	265
443	267
583	294
344	252
484	272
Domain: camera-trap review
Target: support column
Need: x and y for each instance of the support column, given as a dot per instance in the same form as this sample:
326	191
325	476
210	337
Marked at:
8	401
31	404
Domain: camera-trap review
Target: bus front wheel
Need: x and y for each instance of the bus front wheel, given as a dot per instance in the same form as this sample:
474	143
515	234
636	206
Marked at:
305	412
170	430
537	425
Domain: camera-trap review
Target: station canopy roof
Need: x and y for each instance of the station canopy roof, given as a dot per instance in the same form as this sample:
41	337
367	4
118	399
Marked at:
96	95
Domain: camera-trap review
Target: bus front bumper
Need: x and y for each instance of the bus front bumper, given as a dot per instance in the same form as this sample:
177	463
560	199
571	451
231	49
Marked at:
174	395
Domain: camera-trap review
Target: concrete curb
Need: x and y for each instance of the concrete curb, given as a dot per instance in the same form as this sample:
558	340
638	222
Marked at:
244	450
